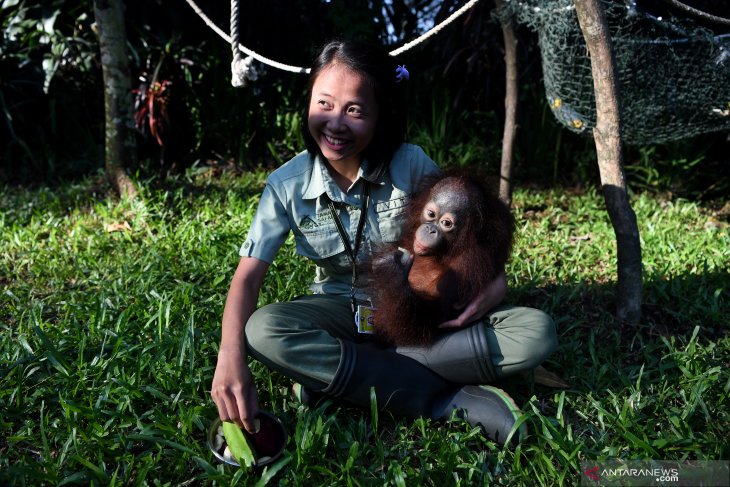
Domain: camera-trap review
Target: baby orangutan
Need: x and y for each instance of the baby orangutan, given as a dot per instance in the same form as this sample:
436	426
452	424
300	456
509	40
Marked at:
456	240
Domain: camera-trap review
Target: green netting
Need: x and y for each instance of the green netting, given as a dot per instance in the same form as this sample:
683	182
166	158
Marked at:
674	77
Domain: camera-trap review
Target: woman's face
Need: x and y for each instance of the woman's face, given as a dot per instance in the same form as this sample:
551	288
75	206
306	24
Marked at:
342	114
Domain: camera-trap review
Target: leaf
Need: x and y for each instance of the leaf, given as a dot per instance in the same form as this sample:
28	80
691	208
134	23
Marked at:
578	238
544	377
270	473
239	444
118	227
52	353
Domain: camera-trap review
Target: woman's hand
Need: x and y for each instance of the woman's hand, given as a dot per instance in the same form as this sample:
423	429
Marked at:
234	390
488	298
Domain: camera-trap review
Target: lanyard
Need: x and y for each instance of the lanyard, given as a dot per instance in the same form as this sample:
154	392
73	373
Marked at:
352	252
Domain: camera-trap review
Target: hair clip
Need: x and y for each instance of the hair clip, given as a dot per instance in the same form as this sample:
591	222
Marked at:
401	73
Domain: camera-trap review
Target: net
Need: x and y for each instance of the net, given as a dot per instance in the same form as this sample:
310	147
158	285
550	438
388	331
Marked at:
674	76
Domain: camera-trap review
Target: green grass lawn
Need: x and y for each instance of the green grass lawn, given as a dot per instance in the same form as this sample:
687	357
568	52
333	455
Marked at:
110	315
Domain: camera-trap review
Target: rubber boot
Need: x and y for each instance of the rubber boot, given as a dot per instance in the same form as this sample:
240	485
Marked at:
460	356
407	388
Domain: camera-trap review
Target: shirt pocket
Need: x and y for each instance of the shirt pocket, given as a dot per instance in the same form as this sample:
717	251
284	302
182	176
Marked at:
320	243
391	216
325	248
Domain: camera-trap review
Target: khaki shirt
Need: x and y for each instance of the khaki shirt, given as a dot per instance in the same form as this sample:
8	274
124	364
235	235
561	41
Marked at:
296	199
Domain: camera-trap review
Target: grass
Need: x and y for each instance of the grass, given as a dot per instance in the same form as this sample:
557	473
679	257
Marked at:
110	312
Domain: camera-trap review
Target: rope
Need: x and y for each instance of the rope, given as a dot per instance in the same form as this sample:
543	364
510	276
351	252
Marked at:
258	57
435	29
240	67
238	48
698	13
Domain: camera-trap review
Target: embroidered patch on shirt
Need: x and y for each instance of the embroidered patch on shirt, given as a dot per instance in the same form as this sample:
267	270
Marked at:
391	204
307	223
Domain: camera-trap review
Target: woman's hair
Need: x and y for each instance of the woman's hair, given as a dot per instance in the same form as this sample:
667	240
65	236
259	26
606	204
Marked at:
378	68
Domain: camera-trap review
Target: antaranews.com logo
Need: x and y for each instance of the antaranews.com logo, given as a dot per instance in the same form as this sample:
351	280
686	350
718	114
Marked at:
655	472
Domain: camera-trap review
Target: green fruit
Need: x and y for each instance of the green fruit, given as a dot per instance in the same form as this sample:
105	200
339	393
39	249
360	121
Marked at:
239	444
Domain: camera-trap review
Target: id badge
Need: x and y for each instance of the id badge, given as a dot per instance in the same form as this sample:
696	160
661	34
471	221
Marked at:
364	319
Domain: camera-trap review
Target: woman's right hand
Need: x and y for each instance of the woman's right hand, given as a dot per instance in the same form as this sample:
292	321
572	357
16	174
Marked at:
234	390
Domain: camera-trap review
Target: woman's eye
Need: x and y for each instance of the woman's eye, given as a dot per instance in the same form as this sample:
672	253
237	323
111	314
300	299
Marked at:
355	110
323	103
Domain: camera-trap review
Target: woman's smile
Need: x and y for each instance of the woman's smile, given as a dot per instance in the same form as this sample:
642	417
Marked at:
342	115
334	143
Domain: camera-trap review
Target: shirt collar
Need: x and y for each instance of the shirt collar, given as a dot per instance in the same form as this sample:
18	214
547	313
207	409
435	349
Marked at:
372	172
320	179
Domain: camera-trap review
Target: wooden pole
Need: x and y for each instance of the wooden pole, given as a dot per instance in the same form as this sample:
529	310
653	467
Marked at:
510	110
607	136
120	143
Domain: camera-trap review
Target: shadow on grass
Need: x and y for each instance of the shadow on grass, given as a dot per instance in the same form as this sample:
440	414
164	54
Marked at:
592	341
655	389
671	306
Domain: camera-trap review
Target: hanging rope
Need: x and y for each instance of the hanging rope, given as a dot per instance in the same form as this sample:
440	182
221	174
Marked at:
258	57
242	67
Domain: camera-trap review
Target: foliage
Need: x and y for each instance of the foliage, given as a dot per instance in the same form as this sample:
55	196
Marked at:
694	168
52	104
166	106
47	57
110	315
443	137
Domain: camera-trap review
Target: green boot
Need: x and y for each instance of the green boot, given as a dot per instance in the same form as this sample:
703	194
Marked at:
406	388
460	356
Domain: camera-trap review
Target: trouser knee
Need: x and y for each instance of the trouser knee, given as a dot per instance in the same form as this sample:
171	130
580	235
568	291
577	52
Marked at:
262	339
547	341
540	339
510	341
291	338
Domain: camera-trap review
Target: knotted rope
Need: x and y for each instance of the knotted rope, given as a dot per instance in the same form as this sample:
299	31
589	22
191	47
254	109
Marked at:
240	67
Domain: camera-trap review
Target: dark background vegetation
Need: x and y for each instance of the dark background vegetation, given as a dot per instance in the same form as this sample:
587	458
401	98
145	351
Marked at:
52	103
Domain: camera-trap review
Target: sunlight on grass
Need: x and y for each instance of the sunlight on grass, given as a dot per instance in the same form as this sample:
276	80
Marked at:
110	314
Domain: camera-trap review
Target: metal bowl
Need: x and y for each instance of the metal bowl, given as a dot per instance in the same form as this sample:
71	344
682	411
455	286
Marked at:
270	425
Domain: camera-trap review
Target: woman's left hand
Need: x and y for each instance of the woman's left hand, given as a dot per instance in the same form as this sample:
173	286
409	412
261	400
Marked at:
487	299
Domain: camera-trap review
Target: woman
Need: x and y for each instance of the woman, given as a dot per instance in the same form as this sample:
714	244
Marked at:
342	196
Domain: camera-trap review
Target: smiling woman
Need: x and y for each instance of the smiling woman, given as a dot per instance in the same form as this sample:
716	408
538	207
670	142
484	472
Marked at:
343	113
355	91
343	198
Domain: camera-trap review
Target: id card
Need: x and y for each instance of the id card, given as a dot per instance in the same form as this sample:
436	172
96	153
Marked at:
364	319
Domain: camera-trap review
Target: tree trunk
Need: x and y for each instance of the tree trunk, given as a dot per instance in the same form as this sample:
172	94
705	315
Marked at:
607	136
120	144
510	111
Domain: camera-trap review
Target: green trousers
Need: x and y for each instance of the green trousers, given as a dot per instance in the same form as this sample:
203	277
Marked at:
300	339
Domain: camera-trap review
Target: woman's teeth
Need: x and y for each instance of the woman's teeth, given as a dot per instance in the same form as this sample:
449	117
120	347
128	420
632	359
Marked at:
334	141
